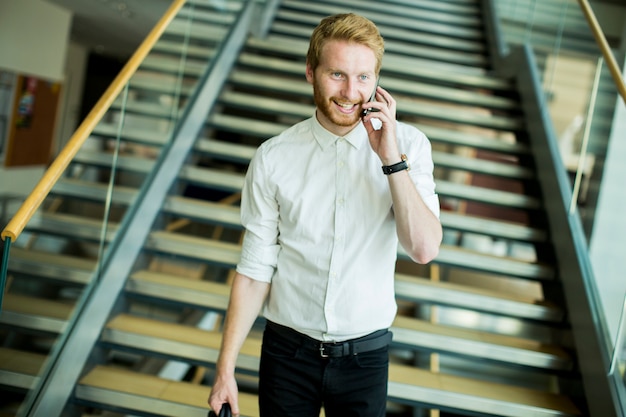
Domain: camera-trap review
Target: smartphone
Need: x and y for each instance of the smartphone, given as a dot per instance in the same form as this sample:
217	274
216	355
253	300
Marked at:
224	412
365	112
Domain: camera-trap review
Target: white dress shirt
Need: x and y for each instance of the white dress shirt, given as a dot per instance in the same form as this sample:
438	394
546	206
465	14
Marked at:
317	211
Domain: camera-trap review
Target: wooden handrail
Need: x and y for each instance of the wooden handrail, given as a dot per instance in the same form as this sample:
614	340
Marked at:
59	165
604	48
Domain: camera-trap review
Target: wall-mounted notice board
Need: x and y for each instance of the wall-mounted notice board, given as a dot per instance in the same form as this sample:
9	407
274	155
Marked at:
32	123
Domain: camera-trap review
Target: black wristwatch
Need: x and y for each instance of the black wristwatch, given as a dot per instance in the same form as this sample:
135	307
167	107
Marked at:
400	166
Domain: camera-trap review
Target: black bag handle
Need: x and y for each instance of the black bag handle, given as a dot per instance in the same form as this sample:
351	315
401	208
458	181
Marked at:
224	412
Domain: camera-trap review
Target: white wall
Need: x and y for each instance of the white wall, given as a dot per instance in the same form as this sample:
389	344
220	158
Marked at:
75	71
20	181
33	38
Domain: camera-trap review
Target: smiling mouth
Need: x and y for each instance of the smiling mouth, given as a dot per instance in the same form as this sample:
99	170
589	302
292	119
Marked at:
346	106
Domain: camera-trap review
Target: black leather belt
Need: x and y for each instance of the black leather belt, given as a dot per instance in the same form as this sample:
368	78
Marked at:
372	341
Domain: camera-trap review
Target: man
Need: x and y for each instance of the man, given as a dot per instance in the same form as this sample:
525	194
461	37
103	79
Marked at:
322	226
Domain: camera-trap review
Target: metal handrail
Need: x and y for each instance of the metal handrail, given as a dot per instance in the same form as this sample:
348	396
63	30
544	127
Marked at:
611	63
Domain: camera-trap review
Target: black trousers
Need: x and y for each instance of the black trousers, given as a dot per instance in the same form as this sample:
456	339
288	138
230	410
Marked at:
295	380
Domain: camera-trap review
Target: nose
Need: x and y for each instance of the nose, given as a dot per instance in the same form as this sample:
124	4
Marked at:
350	90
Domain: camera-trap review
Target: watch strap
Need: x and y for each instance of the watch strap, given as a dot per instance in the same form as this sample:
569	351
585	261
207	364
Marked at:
400	166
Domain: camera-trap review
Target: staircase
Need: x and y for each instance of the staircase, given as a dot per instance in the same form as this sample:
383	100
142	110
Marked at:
483	330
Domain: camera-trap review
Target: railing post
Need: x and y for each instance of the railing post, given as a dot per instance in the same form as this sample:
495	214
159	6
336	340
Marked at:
585	142
4	266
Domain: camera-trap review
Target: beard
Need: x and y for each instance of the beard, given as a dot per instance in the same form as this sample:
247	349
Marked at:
326	107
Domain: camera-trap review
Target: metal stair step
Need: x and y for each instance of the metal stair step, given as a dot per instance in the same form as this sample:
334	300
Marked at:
161	83
205	13
212	178
132	392
467	259
397	17
94	191
421	335
173	65
208	250
204	294
173	48
175	340
184	206
423	290
134	134
488	195
35	313
463	395
495	228
51	265
20	369
208	32
201	210
467	15
73	226
464	7
471	139
129	163
227	151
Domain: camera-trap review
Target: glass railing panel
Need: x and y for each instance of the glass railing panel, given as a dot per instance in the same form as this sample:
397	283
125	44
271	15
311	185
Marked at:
55	263
569	59
617	372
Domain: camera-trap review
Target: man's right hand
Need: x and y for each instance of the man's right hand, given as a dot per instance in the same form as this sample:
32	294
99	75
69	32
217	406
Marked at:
246	298
224	391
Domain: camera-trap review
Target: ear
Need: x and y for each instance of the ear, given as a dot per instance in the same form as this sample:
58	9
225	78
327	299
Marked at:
309	74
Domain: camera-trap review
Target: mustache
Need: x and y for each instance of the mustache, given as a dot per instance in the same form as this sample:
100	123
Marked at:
341	100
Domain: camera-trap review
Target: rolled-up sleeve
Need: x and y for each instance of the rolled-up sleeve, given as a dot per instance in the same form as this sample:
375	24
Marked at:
259	216
421	171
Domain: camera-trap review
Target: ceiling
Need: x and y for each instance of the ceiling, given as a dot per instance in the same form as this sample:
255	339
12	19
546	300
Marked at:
112	27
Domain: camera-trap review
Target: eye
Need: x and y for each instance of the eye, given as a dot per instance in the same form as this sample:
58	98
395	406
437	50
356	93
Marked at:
337	74
364	77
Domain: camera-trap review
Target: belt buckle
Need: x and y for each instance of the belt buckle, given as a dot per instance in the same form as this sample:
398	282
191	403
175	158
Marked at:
322	348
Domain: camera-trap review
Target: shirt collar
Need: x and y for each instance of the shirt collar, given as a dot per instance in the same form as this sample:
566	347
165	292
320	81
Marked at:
325	138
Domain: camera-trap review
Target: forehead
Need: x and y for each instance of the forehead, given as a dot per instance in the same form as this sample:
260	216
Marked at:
347	56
